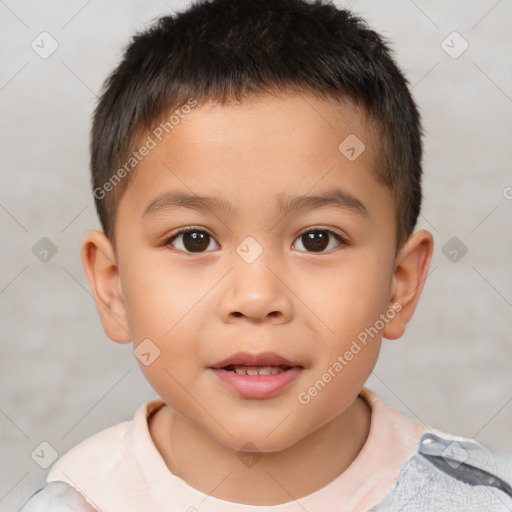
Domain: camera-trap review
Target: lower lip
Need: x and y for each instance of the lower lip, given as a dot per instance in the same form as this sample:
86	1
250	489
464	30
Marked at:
257	386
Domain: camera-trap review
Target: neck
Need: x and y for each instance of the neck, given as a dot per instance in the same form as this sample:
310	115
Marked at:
267	479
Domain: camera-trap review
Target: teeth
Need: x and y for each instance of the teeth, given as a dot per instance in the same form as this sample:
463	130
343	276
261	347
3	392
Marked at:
256	370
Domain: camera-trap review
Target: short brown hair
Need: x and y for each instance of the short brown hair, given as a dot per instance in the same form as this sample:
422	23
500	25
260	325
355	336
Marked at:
223	50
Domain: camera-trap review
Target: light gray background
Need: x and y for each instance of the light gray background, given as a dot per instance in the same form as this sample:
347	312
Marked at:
62	379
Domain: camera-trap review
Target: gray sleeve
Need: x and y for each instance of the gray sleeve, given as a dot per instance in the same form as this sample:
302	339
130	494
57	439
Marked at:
448	476
56	497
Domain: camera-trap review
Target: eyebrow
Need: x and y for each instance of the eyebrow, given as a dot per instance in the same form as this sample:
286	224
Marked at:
330	198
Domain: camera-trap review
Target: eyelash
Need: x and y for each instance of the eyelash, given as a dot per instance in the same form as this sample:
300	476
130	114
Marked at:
198	229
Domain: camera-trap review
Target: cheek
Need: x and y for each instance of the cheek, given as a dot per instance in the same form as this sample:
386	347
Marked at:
155	299
334	384
348	299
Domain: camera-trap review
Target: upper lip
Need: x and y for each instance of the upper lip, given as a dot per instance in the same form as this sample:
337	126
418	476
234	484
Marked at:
248	359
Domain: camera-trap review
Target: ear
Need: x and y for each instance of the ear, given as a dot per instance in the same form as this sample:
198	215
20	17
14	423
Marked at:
411	270
100	265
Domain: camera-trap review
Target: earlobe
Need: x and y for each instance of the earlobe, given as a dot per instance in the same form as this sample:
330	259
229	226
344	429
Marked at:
100	266
411	270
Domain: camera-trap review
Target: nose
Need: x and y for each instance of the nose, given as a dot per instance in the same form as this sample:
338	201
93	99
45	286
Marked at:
255	292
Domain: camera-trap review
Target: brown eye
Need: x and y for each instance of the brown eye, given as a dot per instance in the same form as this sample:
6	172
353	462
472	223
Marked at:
318	239
191	240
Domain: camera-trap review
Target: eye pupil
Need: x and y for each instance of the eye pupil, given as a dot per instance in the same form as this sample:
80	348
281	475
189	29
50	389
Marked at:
195	240
317	240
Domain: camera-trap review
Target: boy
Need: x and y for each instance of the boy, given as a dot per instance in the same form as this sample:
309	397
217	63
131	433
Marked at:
256	167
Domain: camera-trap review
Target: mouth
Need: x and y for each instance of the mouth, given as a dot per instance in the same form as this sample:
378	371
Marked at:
248	360
241	369
256	376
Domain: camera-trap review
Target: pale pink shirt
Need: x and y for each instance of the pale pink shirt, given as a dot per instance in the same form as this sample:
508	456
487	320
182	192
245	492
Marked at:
120	469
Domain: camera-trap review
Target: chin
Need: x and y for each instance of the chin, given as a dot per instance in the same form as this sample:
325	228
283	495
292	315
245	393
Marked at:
259	441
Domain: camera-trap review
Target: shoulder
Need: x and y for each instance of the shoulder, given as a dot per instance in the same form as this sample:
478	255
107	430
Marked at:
80	474
56	497
452	473
84	462
92	454
102	453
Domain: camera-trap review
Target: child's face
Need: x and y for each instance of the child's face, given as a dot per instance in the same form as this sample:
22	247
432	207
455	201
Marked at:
254	284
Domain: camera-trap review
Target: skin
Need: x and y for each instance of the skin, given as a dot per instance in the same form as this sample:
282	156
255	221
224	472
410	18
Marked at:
305	305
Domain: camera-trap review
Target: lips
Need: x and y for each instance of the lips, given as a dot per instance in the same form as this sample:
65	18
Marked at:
256	376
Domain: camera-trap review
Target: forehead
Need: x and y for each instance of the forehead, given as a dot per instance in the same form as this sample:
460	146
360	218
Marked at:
254	154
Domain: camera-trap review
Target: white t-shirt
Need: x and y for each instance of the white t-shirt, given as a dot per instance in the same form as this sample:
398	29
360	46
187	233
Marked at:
120	469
